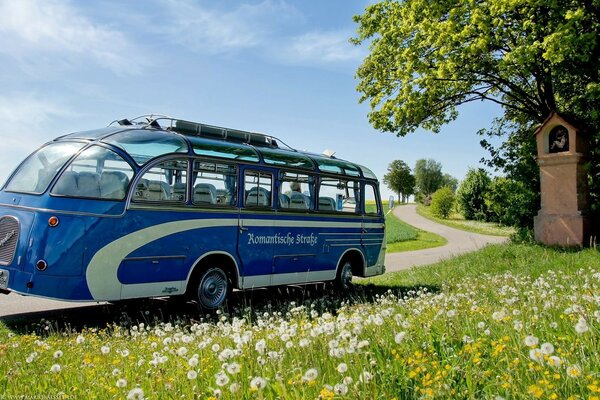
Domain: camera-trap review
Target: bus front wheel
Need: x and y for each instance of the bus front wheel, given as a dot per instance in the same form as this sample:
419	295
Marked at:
213	288
343	280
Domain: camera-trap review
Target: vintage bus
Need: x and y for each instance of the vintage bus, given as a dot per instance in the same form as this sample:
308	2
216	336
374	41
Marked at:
156	206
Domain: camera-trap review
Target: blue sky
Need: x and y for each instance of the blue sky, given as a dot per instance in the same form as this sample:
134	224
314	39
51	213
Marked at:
279	67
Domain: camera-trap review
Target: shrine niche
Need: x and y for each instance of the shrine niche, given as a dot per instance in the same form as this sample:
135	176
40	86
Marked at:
562	152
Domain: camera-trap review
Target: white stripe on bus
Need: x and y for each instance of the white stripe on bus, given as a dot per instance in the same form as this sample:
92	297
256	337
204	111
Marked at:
101	272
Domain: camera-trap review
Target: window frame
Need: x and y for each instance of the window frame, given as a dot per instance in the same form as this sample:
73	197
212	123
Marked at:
311	177
345	178
243	188
150	165
375	187
190	188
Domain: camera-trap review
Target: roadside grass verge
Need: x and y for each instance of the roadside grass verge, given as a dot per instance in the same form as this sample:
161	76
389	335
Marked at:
457	221
509	321
401	236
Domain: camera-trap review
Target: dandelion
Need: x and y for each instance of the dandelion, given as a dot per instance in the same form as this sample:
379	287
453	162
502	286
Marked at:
222	379
574	371
451	313
547	348
182	351
581	326
342	368
192	374
302	343
531	341
80	339
234	387
536	355
554	361
135	394
260	346
58	354
105	349
498	315
55	368
310	375
121	383
233	368
340	389
258	383
193	362
116	372
399	337
215	347
348	380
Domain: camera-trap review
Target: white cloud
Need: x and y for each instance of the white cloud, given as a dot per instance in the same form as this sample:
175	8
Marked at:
38	32
25	119
217	31
322	48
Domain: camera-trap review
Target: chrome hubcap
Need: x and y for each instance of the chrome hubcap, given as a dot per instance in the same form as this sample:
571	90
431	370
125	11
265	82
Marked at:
346	276
213	287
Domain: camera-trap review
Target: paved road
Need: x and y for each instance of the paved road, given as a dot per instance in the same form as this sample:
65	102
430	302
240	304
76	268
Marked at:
458	242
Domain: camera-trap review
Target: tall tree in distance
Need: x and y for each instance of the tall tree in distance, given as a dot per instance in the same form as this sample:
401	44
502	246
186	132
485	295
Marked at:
450	181
400	179
428	176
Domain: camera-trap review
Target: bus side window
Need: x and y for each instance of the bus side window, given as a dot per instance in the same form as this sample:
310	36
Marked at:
214	184
372	203
258	187
296	191
339	195
163	182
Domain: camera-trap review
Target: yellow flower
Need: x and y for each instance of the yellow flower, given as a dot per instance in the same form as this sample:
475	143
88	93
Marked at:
535	391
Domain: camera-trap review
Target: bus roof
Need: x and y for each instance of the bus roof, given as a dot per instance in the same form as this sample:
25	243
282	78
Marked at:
147	140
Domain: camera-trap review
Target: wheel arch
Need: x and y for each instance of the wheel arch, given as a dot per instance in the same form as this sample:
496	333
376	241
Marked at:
225	260
356	257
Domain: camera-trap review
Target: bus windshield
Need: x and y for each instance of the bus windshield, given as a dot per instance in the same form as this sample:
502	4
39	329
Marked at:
36	172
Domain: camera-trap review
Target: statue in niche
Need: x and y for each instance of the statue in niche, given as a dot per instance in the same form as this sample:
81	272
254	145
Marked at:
558	138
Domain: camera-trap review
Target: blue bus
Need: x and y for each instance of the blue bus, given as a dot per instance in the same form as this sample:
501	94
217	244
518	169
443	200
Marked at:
156	206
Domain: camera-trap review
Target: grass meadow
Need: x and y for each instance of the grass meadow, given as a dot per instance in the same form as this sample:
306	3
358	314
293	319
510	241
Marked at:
456	220
507	322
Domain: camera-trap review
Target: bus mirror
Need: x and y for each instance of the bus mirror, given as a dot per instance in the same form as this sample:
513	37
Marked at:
391	202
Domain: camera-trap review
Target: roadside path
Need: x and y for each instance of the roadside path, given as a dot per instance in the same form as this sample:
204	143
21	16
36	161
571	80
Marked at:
459	242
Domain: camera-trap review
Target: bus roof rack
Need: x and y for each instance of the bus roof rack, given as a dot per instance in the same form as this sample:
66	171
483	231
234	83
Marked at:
203	130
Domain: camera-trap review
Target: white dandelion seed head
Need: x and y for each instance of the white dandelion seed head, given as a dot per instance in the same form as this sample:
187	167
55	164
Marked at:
340	389
192	374
105	349
234	387
399	338
221	379
342	368
135	394
536	355
55	368
121	383
555	361
547	348
58	354
233	368
574	371
80	339
258	383
531	341
310	375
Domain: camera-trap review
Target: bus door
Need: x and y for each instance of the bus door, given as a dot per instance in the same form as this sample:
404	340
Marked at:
256	237
373	225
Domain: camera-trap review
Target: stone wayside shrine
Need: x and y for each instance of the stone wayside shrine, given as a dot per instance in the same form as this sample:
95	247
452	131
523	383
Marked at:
563	217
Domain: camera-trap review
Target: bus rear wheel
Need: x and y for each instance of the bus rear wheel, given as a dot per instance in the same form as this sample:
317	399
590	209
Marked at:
343	280
213	288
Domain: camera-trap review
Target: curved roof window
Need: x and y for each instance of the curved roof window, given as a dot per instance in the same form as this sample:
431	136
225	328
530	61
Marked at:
337	166
143	145
286	158
367	173
231	151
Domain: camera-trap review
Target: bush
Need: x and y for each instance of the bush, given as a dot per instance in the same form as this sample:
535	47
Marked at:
511	203
471	195
442	202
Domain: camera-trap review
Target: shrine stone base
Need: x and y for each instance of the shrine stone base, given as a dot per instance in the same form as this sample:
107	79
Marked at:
566	230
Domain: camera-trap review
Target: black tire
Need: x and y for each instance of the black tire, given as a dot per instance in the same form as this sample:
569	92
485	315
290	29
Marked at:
212	289
343	280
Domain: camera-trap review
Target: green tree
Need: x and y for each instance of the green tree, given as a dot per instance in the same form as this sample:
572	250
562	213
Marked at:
529	56
471	193
442	202
450	181
400	179
428	176
509	202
